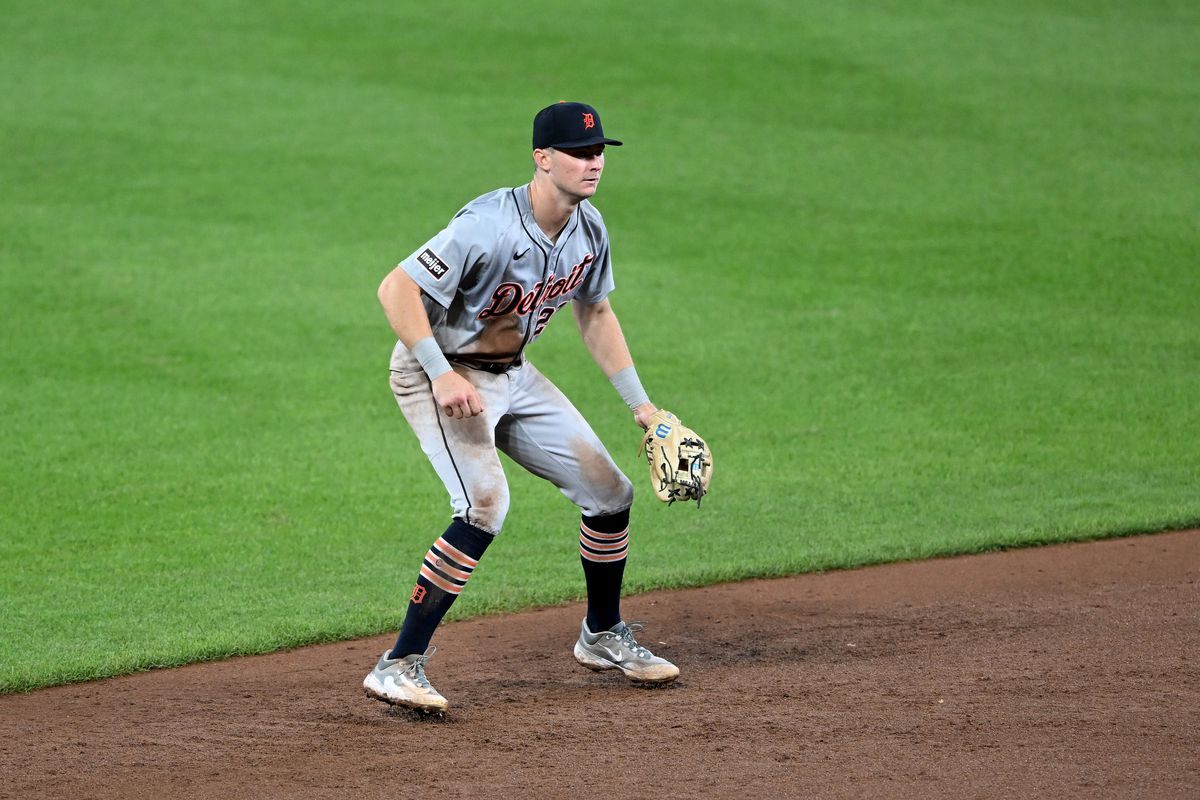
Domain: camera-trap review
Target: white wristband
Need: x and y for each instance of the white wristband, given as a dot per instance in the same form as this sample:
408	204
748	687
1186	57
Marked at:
629	387
433	361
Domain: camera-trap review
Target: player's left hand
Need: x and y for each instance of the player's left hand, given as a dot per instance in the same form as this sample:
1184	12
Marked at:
642	414
680	462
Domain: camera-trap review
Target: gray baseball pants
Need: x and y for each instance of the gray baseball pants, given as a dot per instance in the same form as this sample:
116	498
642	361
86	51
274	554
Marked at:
526	417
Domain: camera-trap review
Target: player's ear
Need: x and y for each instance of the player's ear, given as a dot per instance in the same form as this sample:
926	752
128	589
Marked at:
541	158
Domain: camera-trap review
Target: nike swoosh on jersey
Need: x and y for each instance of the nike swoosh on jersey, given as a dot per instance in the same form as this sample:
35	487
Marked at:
520	255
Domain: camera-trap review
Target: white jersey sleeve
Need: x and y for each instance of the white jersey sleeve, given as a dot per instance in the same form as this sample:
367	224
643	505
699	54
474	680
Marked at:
441	264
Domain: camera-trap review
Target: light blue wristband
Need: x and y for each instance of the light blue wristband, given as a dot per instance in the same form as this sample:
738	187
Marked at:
629	387
433	361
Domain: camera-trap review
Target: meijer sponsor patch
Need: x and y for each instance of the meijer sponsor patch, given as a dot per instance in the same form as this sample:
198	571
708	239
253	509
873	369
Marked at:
434	265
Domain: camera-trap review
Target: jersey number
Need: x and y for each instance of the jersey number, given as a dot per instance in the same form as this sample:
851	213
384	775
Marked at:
543	318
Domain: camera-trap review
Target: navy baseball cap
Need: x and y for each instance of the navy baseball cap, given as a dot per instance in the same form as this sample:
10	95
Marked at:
568	125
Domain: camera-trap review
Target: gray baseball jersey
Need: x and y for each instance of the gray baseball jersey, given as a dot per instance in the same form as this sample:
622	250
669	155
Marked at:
492	279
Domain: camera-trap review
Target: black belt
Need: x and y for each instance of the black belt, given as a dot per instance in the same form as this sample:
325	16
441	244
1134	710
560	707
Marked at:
494	367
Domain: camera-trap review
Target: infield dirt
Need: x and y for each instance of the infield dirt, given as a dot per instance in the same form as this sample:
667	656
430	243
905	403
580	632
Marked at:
1065	671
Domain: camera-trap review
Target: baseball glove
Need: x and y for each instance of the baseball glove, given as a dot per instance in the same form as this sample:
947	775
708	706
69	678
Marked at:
680	462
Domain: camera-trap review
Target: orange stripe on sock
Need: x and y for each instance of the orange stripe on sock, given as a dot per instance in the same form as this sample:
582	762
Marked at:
455	553
599	535
445	566
439	581
594	557
606	546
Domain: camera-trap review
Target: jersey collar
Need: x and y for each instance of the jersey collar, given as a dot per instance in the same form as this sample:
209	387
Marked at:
521	194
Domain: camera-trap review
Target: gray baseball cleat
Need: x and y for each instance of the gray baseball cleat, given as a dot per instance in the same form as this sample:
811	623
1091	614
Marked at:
617	649
402	682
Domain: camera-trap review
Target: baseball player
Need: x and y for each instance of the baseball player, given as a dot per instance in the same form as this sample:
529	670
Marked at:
466	306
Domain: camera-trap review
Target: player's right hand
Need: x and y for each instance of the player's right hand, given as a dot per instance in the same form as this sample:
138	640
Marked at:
456	396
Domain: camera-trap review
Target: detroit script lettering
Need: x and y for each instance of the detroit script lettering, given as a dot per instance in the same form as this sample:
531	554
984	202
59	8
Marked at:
511	297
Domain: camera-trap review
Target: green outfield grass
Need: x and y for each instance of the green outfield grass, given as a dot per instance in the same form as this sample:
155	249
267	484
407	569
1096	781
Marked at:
926	275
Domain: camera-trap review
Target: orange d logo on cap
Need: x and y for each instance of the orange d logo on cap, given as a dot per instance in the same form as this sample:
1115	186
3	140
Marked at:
568	124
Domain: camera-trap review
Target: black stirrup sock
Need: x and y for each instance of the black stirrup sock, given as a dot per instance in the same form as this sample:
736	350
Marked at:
603	547
444	573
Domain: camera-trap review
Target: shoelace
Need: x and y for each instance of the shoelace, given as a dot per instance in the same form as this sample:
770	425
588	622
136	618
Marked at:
626	636
416	670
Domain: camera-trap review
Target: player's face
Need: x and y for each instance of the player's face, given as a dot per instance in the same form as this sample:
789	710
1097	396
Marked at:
576	170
